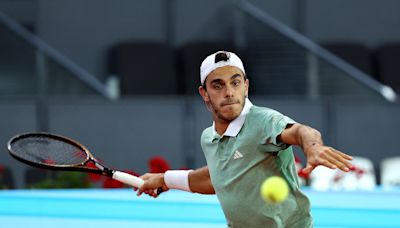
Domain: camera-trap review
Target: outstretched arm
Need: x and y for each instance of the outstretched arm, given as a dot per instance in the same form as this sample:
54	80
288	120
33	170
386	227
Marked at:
199	181
313	147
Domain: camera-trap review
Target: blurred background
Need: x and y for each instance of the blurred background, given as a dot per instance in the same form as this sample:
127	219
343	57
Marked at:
121	77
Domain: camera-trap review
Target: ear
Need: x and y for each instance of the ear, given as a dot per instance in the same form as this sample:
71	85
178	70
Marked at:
206	98
246	85
204	94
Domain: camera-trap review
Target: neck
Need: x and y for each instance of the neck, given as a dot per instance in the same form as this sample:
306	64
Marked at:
221	125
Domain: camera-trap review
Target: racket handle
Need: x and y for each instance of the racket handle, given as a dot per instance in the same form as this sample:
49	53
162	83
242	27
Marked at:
128	179
131	180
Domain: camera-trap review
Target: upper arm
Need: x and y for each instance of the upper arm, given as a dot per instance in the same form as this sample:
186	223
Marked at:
290	134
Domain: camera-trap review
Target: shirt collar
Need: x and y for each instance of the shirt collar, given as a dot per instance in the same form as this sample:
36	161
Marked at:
237	124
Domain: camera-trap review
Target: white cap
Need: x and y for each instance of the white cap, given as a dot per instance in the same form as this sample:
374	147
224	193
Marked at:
209	64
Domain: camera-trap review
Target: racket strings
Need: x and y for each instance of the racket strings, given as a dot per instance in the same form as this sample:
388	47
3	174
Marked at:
48	151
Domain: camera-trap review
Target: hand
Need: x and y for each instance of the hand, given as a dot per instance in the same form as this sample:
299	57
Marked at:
152	181
326	156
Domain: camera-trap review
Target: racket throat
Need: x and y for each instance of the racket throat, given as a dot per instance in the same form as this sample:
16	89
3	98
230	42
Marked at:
104	170
108	172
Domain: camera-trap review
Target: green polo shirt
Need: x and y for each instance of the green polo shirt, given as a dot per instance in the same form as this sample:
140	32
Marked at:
241	159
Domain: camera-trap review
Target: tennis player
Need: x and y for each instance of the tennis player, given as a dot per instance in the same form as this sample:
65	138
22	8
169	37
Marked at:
245	145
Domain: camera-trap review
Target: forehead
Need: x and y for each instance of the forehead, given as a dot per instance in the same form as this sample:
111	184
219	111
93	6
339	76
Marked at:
224	73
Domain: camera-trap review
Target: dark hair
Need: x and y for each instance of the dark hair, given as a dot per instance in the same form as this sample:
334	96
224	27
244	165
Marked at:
222	56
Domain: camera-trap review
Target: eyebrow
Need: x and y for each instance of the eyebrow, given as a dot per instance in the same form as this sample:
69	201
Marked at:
235	76
232	77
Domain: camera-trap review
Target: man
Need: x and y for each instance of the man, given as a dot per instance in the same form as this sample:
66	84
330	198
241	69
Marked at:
245	145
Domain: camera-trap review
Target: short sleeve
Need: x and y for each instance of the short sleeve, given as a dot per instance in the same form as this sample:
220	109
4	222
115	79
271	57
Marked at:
278	124
274	124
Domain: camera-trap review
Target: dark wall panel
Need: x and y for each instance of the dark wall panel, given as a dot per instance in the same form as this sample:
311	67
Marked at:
124	134
16	117
368	130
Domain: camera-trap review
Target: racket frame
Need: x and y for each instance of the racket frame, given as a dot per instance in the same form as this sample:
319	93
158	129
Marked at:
102	170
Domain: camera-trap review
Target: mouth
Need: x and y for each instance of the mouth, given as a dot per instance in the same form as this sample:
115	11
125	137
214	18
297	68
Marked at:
229	103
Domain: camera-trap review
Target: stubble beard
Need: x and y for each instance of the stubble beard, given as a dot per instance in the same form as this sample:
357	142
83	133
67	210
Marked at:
216	108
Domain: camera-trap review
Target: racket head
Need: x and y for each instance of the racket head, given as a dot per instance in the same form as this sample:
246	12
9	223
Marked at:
50	151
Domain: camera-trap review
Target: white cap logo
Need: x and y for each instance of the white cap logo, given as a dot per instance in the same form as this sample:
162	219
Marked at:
211	63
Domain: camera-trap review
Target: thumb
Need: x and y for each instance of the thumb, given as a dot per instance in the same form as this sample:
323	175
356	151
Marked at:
302	174
141	189
308	169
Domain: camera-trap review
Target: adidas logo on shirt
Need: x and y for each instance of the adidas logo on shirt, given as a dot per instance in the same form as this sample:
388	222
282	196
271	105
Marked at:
237	155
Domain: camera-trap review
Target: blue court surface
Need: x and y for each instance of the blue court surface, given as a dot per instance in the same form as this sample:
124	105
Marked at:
121	208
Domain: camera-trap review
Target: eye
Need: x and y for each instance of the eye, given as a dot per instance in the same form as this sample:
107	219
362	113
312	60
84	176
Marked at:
236	82
217	86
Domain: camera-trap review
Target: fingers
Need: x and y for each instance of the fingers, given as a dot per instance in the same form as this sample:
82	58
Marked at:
149	191
328	157
144	187
345	156
323	158
320	161
151	183
140	191
340	161
306	171
302	173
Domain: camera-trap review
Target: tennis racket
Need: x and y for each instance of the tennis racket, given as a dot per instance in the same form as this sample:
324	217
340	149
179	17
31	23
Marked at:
57	152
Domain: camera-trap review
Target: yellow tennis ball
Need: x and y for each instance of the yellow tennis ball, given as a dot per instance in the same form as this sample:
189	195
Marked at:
274	189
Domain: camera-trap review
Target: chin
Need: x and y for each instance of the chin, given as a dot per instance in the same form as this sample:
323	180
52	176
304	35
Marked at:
229	112
230	115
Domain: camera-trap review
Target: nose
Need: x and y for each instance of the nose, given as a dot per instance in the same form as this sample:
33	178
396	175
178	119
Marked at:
229	91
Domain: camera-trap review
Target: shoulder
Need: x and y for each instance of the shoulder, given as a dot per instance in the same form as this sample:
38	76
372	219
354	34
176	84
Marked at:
207	133
263	113
269	119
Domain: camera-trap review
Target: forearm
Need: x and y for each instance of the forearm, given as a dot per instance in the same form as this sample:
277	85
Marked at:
308	137
301	135
200	181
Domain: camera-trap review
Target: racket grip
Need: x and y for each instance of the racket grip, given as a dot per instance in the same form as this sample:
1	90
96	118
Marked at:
128	179
132	180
